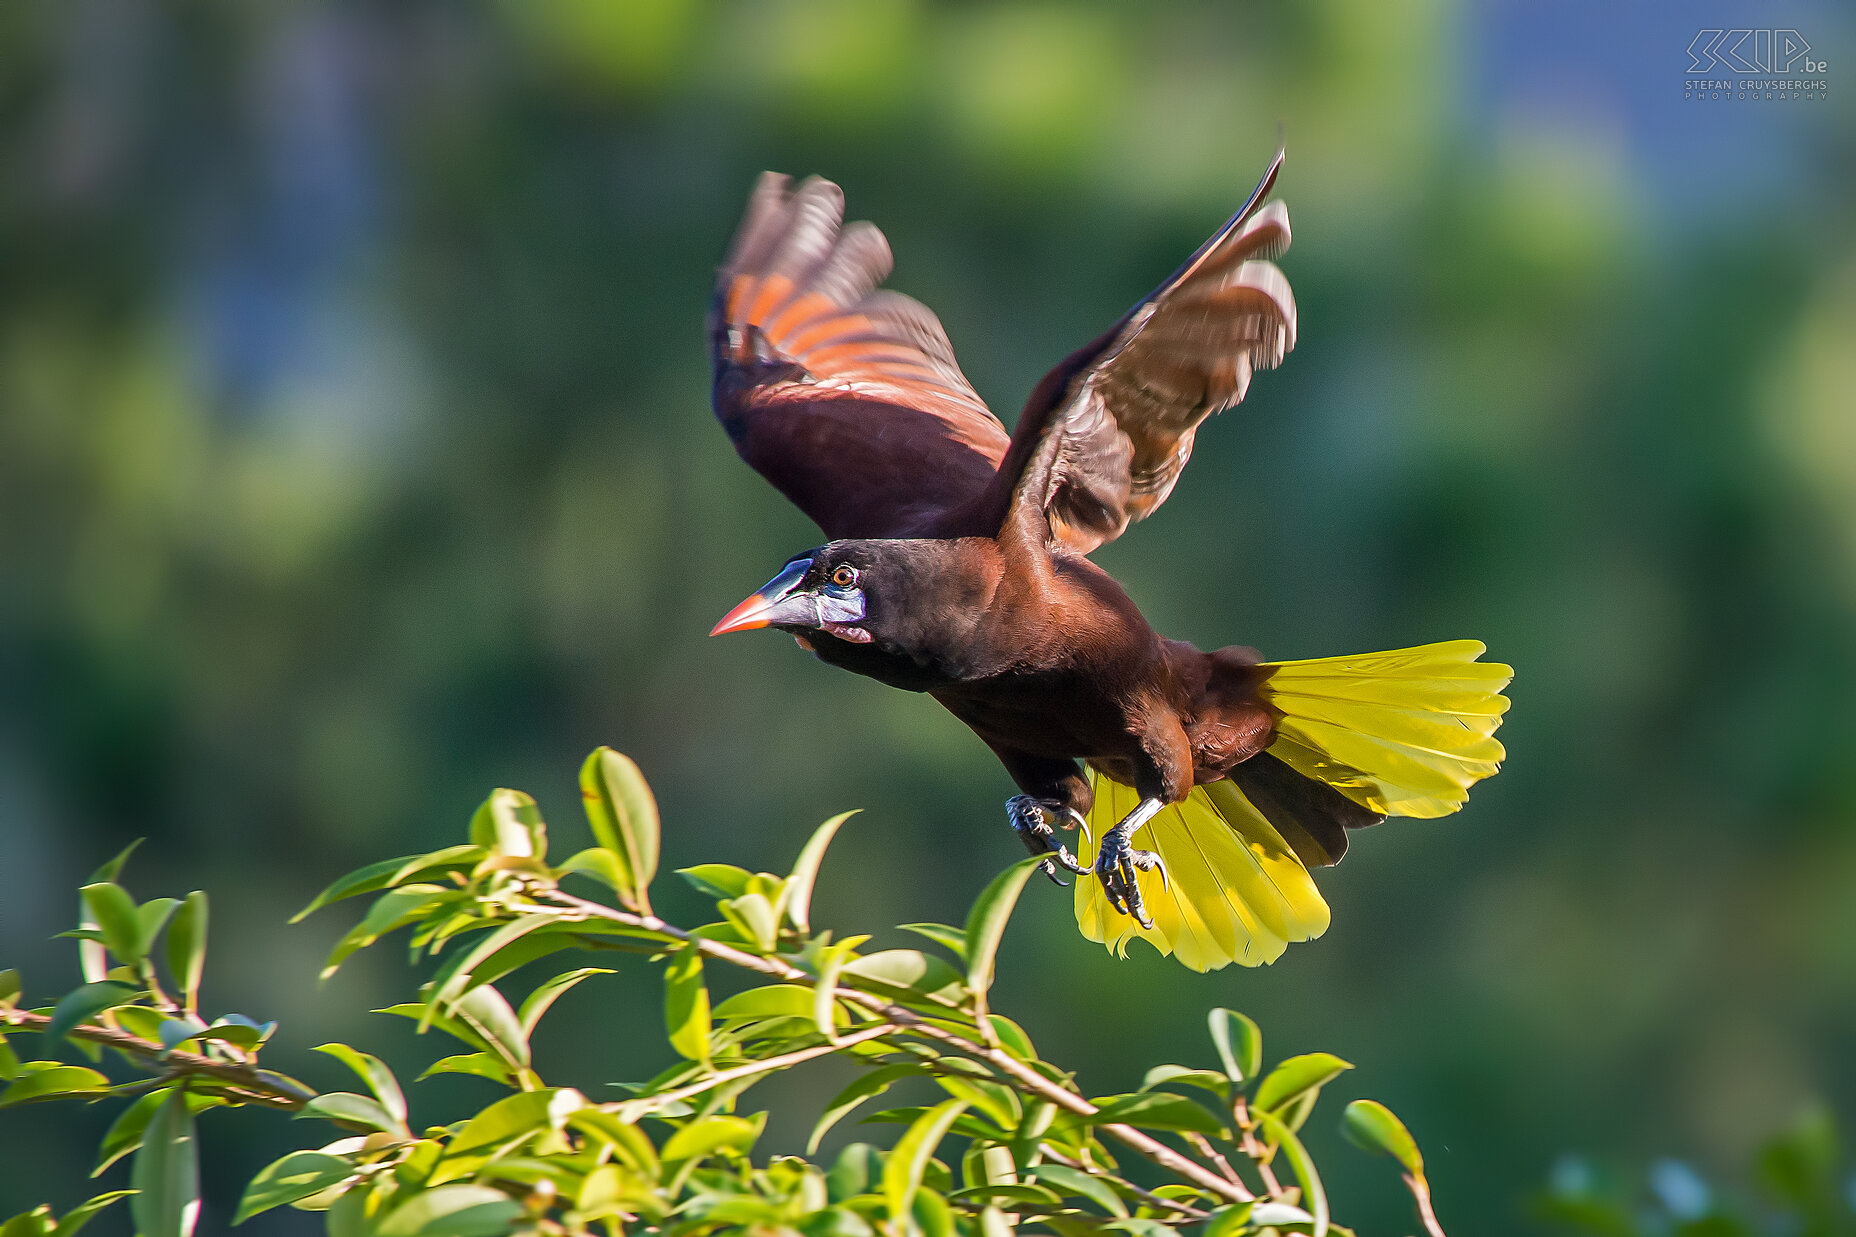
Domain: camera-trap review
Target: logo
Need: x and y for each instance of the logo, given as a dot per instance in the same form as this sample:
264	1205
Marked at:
1764	65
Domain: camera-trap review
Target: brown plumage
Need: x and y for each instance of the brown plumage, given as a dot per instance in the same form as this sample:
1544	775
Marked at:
957	562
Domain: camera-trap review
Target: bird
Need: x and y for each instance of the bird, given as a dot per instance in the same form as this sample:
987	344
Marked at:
1201	786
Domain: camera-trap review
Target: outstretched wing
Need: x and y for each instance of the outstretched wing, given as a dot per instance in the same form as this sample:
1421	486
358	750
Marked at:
1105	436
845	396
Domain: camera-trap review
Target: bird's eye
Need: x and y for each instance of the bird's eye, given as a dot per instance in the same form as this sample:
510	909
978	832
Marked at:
844	576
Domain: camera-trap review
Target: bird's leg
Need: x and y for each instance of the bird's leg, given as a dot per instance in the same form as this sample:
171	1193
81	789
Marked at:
1056	795
1031	821
1117	861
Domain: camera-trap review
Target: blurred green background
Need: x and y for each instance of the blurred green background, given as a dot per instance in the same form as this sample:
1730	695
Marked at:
355	457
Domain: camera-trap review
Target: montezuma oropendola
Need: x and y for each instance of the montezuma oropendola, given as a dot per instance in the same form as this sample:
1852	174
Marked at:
957	566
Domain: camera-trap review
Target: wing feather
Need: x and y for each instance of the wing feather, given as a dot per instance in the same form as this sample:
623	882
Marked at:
1105	437
846	396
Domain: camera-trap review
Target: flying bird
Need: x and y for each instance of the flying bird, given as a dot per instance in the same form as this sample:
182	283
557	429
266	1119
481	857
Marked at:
1205	784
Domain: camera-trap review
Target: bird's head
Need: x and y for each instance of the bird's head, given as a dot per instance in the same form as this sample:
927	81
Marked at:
830	590
906	596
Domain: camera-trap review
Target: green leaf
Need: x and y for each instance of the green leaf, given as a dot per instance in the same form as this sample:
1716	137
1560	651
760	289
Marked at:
1266	1213
1370	1124
1204	1079
599	863
9	1061
1302	1165
481	1064
911	973
187	947
717	880
114	910
753	915
902	1173
354	1109
125	1133
1231	1220
686	1004
1005	1193
390	912
953	939
458	975
296	1176
1295	1078
365	880
861	1090
857	1167
1012	1037
518	1116
1157	1110
52	1082
10	988
796	901
998	1104
932	1215
1239	1044
1075	1181
456	1210
374	1072
166	1176
545	995
1140	1226
34	1223
623	816
83	1004
706	1135
627	1141
825	1010
237	1029
484	1010
80	1215
151	917
510	824
111	870
986	921
173	1032
767	1001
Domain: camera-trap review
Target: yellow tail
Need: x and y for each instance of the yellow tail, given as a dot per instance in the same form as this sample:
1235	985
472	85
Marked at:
1403	733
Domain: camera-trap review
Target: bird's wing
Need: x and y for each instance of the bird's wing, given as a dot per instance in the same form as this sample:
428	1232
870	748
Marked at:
1106	434
844	395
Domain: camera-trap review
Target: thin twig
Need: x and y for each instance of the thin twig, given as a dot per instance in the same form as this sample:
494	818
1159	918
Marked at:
1147	1196
1203	1146
756	1067
1421	1190
255	1086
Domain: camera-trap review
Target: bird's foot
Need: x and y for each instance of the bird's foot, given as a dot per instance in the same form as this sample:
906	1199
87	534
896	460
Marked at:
1031	821
1116	864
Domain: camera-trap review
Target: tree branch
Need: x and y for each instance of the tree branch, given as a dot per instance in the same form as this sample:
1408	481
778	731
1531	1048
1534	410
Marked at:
1028	1079
255	1086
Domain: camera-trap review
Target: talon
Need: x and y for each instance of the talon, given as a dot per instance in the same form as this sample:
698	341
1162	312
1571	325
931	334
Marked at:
1050	869
1118	863
1029	819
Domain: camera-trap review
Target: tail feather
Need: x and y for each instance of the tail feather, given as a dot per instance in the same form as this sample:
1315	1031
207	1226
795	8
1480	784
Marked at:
1401	733
1236	891
1404	733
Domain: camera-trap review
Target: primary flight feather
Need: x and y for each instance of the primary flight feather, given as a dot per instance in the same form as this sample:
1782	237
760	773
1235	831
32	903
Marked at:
958	566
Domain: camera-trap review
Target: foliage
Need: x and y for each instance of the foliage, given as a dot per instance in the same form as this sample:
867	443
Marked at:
1013	1140
1804	1190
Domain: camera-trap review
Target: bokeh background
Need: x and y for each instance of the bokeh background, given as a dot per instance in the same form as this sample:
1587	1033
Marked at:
355	458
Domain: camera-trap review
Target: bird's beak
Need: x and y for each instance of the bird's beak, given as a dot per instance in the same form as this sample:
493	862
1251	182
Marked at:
775	602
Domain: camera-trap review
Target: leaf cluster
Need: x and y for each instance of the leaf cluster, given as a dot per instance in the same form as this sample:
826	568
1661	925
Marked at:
1009	1139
